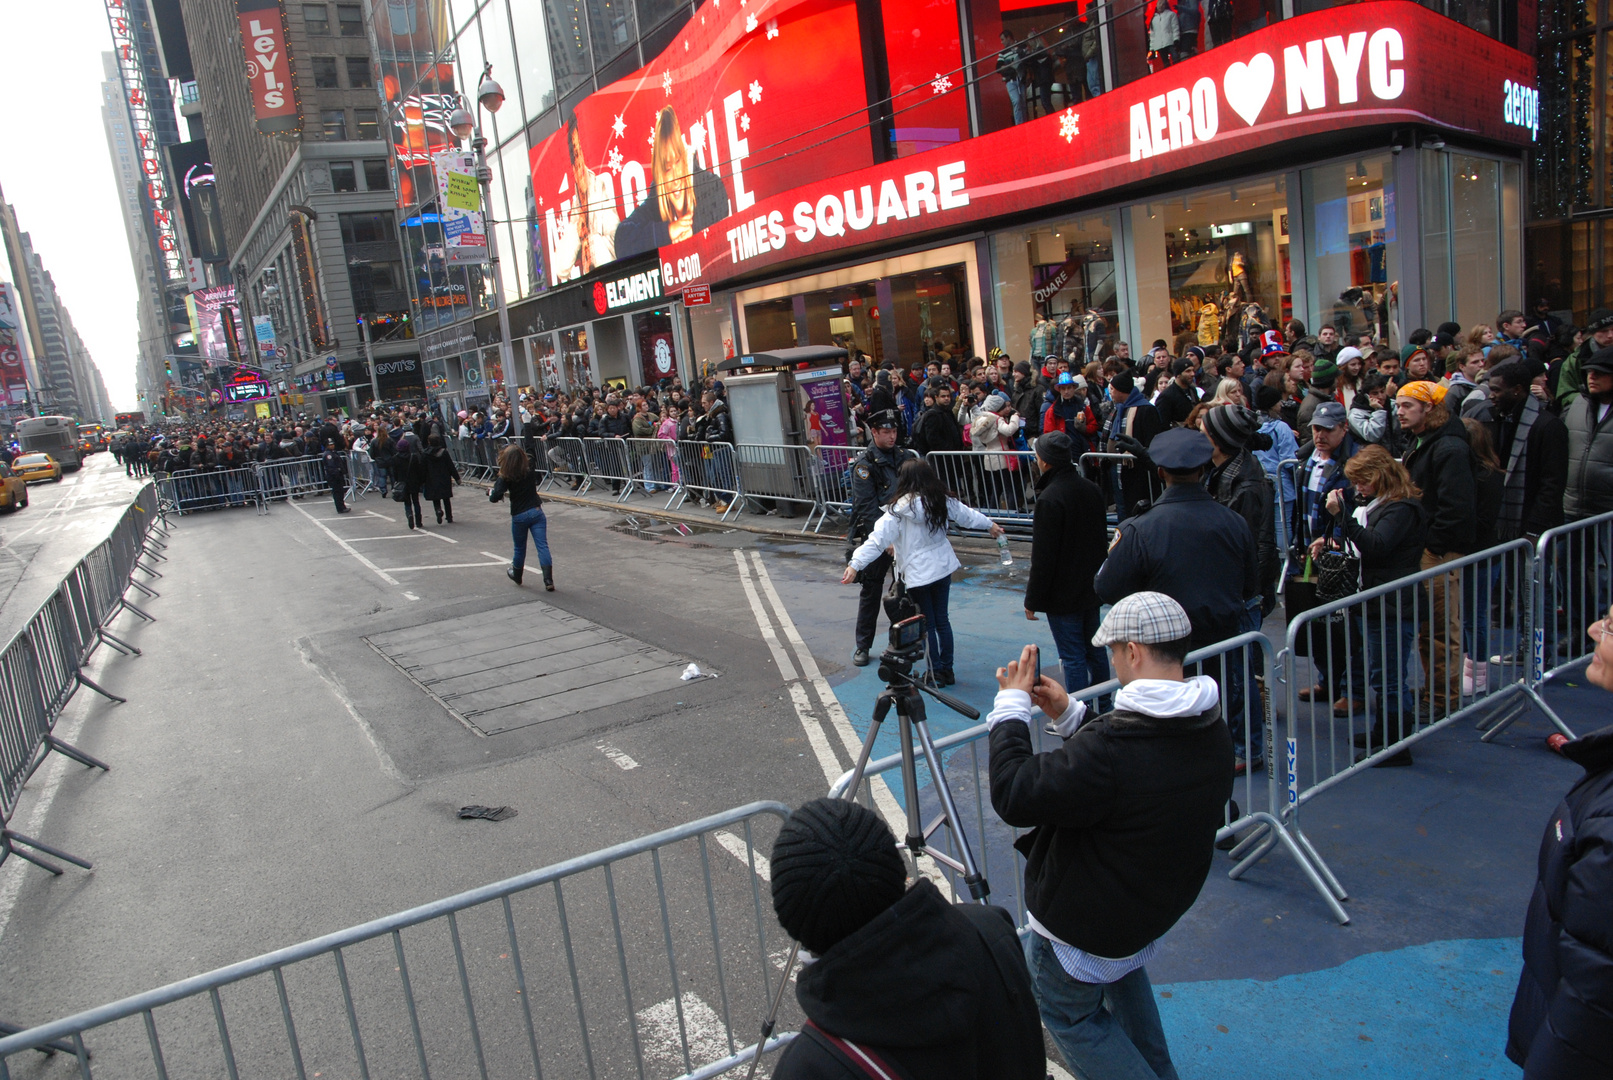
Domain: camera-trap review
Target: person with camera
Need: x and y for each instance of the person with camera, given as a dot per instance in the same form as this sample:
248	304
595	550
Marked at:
915	528
873	486
903	984
1123	817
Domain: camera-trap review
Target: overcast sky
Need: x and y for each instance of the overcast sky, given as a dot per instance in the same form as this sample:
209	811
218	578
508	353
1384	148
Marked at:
55	170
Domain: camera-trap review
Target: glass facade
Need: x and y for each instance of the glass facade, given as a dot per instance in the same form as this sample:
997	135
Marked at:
1063	273
1353	245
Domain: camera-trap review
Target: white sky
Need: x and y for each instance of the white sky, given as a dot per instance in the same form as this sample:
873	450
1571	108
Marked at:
56	172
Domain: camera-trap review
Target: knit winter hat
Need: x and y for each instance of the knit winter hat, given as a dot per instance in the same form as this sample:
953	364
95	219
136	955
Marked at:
1325	373
1231	425
1055	448
995	403
1266	397
835	867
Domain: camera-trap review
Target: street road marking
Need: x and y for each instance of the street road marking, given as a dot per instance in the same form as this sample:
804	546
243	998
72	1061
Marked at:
1056	1071
399	536
440	566
345	546
736	847
663	1032
411	596
622	760
383	517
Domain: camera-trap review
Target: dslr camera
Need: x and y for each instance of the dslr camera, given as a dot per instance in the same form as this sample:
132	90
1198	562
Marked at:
905	646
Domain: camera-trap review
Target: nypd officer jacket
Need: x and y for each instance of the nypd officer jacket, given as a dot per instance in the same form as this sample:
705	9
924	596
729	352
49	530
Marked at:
1192	549
873	484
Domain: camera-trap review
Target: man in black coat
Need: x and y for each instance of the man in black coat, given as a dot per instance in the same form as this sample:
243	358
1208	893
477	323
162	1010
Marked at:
904	983
1123	819
1176	401
1531	443
1561	1026
937	427
1069	538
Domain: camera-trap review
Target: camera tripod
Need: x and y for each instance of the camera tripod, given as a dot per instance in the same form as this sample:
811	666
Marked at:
906	694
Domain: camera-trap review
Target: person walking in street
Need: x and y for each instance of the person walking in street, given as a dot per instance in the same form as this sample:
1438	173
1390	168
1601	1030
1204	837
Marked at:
1069	537
915	527
1560	1027
334	464
441	476
517	480
873	486
965	1011
409	462
1124	816
1440	462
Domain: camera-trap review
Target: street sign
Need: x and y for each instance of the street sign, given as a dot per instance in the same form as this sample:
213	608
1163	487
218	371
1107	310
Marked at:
695	295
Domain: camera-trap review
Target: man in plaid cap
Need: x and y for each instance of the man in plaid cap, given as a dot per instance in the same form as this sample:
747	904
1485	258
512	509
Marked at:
1123	818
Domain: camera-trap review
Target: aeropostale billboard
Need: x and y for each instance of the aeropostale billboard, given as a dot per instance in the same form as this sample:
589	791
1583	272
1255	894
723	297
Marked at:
1355	66
748	99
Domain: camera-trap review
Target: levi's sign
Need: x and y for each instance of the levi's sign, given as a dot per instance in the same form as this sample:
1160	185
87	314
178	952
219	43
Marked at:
1352	66
268	65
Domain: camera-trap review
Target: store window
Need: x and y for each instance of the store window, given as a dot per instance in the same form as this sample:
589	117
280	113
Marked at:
1212	266
657	349
343	177
574	357
770	325
847	316
711	330
545	362
1471	260
1061	274
1352	246
1033	59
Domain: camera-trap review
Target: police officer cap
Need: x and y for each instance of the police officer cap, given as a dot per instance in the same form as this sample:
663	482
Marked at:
1600	360
1180	449
884	418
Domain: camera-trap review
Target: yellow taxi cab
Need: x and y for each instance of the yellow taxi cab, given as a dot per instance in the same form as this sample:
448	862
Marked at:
13	490
33	467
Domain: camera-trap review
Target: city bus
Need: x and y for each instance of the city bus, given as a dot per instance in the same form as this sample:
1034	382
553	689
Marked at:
92	436
53	435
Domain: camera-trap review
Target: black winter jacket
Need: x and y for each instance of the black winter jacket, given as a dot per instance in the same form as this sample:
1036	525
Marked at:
1545	471
441	473
937	429
1441	465
1562	1016
1251	495
1123	817
1069	538
938	990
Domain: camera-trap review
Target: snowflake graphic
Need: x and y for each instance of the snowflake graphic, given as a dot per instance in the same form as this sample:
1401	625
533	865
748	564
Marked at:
940	84
772	29
750	23
744	121
755	92
618	127
666	82
615	160
651	139
1069	126
697	133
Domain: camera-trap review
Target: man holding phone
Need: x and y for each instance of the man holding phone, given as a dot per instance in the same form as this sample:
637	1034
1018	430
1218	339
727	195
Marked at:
1123	817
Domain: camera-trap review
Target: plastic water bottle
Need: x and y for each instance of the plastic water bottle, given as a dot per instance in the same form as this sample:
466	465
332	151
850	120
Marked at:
1003	553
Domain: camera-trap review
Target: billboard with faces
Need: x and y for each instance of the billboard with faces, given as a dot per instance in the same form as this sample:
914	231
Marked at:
746	101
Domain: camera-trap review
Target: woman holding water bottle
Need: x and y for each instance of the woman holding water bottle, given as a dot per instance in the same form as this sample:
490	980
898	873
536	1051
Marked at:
915	527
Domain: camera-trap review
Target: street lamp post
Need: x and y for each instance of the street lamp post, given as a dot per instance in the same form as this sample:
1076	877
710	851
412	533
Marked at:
489	95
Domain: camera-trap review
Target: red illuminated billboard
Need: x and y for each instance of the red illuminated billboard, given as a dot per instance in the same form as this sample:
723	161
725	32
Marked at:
746	101
1362	65
268	65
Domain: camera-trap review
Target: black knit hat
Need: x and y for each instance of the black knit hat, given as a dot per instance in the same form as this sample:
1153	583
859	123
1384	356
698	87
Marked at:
835	867
1231	425
1055	448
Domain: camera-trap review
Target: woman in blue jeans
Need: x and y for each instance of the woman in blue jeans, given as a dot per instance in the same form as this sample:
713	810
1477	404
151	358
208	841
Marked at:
915	525
517	480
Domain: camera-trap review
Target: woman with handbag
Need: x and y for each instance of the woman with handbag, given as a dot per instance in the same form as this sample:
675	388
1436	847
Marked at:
410	465
1389	529
915	525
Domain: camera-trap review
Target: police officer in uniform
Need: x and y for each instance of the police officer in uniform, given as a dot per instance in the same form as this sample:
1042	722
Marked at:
873	484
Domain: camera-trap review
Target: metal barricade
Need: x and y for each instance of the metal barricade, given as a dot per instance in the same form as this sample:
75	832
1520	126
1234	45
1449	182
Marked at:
777	472
360	474
608	463
1242	666
653	958
1281	517
831	475
291	478
710	473
654	463
1391	657
212	489
568	463
1001	484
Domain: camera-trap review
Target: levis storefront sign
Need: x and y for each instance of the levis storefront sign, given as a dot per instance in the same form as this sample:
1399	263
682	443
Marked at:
1363	65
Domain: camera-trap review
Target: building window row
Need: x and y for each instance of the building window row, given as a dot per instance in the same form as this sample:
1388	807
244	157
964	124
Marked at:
366	124
349	19
325	69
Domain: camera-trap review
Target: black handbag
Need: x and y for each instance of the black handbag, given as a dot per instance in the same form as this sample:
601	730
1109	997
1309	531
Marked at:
398	494
899	607
1337	575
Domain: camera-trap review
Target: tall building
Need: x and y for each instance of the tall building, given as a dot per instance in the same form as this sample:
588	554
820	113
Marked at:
65	379
308	213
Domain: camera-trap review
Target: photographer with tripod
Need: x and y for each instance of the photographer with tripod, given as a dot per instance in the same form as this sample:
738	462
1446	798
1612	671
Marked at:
1123	818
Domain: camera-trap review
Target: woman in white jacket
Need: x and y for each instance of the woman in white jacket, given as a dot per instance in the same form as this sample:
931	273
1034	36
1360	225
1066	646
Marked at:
915	527
990	432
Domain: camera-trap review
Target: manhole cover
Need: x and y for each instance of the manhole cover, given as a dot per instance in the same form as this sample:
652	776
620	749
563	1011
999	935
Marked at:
526	664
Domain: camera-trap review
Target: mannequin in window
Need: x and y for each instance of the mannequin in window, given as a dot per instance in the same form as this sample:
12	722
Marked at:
1238	281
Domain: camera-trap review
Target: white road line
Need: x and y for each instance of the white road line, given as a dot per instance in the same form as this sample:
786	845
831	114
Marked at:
735	846
764	624
345	546
383	517
411	596
622	760
367	539
490	555
439	566
11	883
1057	1071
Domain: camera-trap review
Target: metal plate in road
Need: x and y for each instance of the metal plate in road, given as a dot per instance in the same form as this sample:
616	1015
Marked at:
526	664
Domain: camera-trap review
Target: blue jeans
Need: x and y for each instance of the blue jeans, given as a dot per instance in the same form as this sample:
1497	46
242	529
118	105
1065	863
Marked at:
1016	98
1107	1032
1235	688
534	522
1084	663
1390	636
1095	75
932	602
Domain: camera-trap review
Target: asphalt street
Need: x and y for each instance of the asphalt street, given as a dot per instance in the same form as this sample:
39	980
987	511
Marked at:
277	774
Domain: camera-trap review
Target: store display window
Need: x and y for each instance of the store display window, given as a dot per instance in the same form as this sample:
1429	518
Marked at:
770	324
1472	266
574	357
657	349
1354	271
1057	293
848	316
1213	266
